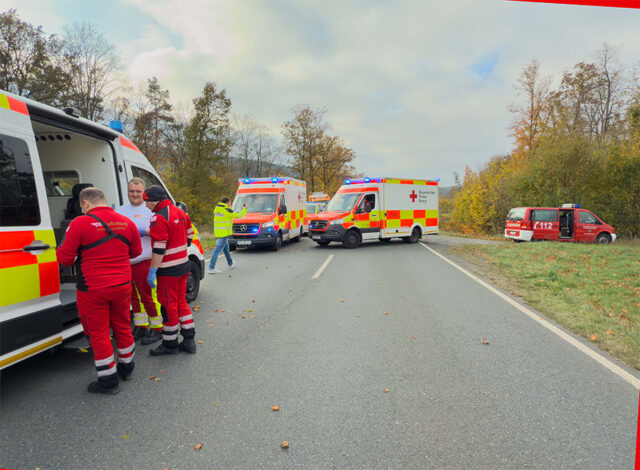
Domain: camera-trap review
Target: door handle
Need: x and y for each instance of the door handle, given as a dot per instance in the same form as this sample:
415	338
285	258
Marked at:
36	247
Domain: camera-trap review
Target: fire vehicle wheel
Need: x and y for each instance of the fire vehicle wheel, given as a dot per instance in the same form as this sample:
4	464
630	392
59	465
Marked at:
352	239
277	244
193	282
604	239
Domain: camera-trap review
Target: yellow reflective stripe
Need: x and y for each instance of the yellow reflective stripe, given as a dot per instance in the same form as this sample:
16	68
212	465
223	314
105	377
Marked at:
4	102
393	223
19	284
432	214
48	237
30	352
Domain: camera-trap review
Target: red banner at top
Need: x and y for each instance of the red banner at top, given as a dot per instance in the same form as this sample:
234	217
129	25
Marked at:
591	3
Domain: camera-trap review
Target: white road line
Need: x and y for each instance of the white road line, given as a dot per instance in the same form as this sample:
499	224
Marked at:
322	268
554	329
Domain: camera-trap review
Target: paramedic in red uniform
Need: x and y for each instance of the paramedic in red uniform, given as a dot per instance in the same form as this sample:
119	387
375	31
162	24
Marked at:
171	233
101	242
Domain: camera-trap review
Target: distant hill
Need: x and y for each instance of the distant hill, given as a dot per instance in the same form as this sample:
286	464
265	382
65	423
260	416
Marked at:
446	190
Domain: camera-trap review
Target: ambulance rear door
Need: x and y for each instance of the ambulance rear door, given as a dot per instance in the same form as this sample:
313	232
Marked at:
30	310
408	203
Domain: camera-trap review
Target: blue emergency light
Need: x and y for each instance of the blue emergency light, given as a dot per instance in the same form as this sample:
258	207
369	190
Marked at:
116	126
247	181
274	180
437	180
347	181
367	180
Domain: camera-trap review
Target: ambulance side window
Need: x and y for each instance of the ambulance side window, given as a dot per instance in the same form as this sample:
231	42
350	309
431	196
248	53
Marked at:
148	177
18	194
367	204
283	206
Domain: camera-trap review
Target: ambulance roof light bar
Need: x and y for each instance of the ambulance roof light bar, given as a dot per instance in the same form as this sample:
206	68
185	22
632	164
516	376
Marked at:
264	180
570	206
365	180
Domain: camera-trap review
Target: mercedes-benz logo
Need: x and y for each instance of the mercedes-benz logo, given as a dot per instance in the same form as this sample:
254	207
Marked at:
243	228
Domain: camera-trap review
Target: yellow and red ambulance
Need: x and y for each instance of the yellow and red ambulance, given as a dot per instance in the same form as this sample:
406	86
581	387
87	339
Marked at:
378	209
276	209
47	156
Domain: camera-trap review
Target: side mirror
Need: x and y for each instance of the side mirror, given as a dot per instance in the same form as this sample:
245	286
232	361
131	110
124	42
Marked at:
182	206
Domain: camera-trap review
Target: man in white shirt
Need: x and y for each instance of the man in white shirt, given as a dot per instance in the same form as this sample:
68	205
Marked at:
148	321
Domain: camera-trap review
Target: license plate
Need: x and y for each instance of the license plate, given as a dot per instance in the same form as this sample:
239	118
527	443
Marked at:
315	237
513	232
244	242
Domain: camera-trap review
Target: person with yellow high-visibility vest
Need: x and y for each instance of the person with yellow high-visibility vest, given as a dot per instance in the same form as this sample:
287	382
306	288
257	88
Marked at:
223	216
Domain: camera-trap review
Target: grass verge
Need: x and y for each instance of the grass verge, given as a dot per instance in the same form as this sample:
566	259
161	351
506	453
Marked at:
592	290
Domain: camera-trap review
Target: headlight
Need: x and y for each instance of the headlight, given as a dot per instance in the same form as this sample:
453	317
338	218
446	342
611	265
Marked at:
337	222
268	224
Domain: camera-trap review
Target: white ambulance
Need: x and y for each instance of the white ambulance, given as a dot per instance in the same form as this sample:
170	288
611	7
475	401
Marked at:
46	157
378	209
276	209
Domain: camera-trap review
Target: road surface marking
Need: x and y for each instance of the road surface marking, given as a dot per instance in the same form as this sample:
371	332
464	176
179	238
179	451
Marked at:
554	329
322	268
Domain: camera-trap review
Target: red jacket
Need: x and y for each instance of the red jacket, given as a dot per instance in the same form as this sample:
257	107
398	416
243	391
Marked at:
171	233
101	260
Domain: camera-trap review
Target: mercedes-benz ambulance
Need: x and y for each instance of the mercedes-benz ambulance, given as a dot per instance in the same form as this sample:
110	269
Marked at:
378	209
46	156
276	208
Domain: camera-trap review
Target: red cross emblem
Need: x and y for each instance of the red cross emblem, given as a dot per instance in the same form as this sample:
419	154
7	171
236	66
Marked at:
413	196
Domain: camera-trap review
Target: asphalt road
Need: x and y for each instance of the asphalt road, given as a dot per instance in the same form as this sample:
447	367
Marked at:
378	363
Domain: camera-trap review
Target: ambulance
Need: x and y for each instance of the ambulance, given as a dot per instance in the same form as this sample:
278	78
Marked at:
47	156
276	208
378	209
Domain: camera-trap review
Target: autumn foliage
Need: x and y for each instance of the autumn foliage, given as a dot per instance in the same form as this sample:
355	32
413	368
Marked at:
579	143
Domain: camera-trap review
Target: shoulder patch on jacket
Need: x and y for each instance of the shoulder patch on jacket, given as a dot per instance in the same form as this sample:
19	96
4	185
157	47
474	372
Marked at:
164	212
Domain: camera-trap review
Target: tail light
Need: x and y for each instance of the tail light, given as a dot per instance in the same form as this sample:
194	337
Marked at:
525	225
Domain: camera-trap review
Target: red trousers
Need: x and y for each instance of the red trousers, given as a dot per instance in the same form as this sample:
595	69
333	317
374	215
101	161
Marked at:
171	295
139	273
99	310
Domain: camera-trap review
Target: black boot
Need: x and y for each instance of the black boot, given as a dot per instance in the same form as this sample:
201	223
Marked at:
108	385
154	335
125	371
188	345
139	333
162	350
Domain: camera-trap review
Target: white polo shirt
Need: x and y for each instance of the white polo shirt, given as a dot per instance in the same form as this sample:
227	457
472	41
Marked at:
141	216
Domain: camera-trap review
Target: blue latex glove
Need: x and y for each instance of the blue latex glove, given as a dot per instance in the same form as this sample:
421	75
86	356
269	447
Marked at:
151	278
142	231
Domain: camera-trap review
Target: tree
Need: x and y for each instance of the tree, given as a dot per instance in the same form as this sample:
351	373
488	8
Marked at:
90	61
28	61
333	164
254	148
197	179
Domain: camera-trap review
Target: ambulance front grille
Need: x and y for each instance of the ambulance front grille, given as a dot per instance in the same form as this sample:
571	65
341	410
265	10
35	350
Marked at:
243	229
318	224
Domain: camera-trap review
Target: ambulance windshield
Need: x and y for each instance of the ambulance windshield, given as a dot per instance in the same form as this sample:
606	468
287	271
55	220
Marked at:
343	202
256	202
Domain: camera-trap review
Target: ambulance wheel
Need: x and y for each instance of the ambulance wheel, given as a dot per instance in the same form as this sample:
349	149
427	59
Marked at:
233	247
277	244
414	237
352	239
323	243
299	237
193	282
385	240
604	239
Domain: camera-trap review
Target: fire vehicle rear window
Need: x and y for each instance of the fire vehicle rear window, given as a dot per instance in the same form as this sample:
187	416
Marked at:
545	215
516	215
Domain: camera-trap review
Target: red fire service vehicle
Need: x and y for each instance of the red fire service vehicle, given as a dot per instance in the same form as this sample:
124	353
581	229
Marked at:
568	223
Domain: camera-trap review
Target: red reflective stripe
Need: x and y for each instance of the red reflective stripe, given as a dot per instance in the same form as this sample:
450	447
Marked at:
392	215
17	105
260	190
358	190
419	214
199	245
347	224
431	222
16	241
406	222
127	143
49	278
374	223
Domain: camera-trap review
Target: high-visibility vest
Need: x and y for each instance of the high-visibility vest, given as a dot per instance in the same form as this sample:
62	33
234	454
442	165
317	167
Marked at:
223	217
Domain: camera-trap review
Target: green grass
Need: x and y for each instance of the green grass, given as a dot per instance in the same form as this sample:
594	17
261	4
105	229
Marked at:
208	240
592	290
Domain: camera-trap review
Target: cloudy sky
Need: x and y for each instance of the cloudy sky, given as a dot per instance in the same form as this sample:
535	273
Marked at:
416	88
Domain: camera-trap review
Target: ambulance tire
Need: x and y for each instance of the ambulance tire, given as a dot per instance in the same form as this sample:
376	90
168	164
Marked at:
299	237
193	281
277	244
385	240
233	247
352	239
414	237
603	239
323	243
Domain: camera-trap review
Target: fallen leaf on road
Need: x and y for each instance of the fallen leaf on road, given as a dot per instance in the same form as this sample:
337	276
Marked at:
357	316
250	310
161	371
222	310
511	292
125	437
198	447
200	341
217	404
413	337
593	337
152	377
157	379
196	308
386	313
275	408
484	341
266	267
243	316
252	316
386	390
284	445
212	326
253	301
341	300
215	310
290	290
609	332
